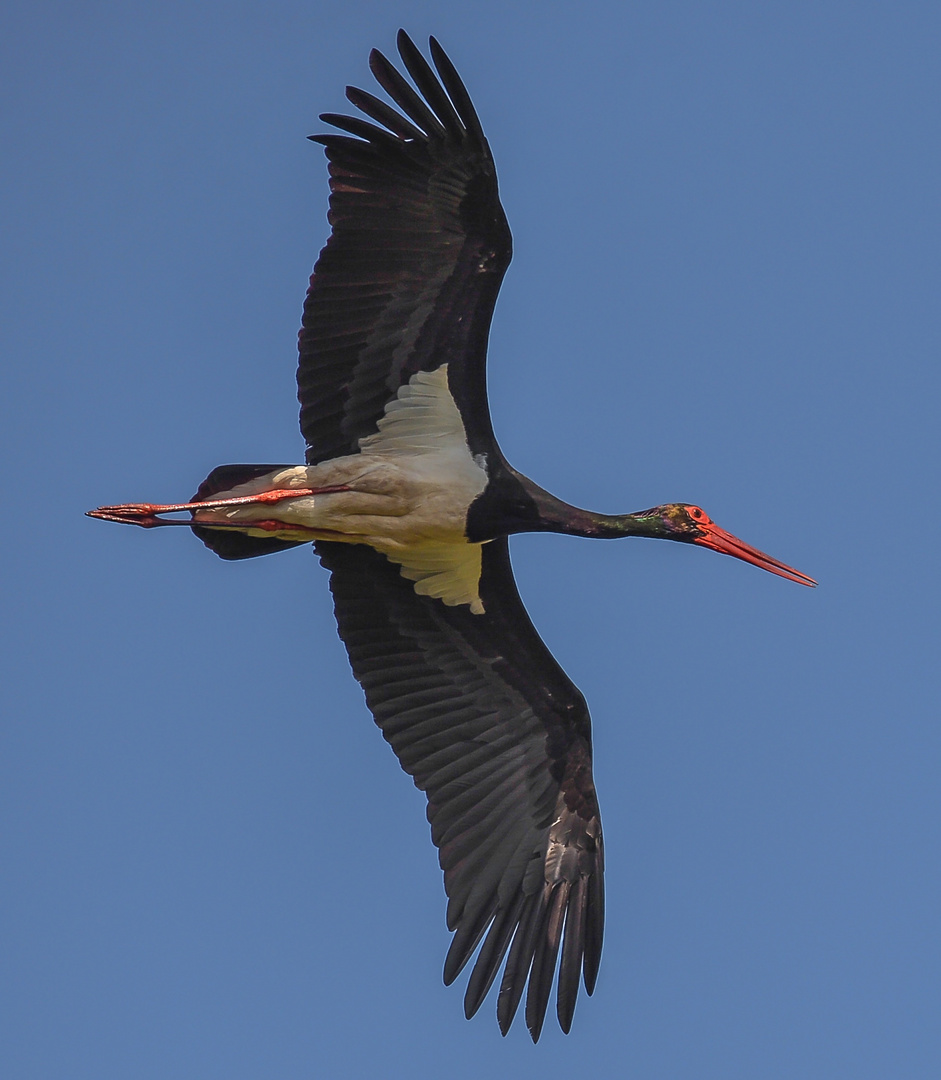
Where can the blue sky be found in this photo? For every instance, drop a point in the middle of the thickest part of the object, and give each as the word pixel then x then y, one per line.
pixel 725 291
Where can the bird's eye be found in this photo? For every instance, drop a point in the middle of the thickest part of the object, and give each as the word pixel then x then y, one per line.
pixel 699 515
pixel 695 512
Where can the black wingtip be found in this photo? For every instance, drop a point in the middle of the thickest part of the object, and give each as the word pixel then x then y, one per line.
pixel 403 94
pixel 457 91
pixel 491 955
pixel 519 961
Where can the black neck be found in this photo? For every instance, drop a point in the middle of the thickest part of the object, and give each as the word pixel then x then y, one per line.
pixel 512 503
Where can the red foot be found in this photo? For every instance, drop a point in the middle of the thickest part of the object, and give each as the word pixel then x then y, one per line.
pixel 143 514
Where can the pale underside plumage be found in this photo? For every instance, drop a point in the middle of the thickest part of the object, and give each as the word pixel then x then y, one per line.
pixel 411 485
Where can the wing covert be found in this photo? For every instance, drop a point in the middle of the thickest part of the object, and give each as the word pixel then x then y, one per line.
pixel 492 730
pixel 410 274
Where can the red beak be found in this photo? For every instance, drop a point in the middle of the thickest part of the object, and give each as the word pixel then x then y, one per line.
pixel 724 542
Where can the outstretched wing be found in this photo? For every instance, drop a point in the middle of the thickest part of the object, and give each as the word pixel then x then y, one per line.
pixel 492 730
pixel 410 275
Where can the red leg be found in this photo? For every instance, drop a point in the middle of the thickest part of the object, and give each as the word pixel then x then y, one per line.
pixel 146 514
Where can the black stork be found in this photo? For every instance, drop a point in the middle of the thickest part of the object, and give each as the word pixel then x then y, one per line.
pixel 409 501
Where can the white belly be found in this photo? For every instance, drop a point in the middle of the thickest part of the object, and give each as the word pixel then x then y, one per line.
pixel 410 487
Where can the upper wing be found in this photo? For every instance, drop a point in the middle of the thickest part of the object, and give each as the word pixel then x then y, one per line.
pixel 410 275
pixel 492 730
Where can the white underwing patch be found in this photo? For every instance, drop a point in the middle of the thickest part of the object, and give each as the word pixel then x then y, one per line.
pixel 450 572
pixel 422 418
pixel 423 422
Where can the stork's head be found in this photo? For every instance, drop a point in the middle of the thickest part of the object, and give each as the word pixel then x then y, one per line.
pixel 692 525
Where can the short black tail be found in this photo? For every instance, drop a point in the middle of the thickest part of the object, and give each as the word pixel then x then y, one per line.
pixel 229 543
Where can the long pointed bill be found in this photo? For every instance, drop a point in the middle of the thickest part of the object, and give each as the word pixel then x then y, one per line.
pixel 724 542
pixel 147 514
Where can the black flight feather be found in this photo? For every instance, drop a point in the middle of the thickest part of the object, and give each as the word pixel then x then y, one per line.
pixel 497 746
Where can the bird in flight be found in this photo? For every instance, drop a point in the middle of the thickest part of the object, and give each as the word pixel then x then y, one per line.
pixel 409 503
